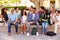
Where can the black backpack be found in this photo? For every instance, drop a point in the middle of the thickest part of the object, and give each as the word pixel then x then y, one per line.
pixel 50 33
pixel 34 30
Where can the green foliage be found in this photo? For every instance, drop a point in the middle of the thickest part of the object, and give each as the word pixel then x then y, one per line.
pixel 7 1
pixel 15 1
pixel 20 7
pixel 1 2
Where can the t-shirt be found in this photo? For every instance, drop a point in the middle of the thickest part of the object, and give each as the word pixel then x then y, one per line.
pixel 44 17
pixel 5 17
pixel 52 15
pixel 18 14
pixel 24 19
pixel 12 17
pixel 58 18
pixel 33 16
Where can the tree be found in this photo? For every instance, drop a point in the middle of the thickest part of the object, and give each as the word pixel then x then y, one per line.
pixel 1 2
pixel 15 1
pixel 6 2
pixel 37 3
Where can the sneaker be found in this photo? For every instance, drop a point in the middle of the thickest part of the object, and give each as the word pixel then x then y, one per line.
pixel 27 34
pixel 24 32
pixel 21 32
pixel 37 33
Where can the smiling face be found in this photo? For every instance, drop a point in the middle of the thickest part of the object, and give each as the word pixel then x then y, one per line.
pixel 5 10
pixel 34 10
pixel 17 9
pixel 57 13
pixel 12 11
pixel 52 9
pixel 30 8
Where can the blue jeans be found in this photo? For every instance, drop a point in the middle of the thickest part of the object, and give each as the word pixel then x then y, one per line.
pixel 9 27
pixel 44 26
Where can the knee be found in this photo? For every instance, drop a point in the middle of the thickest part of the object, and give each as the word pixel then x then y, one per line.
pixel 9 24
pixel 16 24
pixel 37 23
pixel 56 24
pixel 27 24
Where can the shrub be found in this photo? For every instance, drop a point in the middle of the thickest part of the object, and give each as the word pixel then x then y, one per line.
pixel 20 7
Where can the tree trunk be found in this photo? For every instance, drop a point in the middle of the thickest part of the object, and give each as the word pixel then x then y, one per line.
pixel 36 3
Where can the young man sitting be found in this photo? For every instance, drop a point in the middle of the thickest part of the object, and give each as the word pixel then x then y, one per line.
pixel 33 19
pixel 12 21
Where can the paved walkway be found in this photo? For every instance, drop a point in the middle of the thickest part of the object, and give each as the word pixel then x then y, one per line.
pixel 4 36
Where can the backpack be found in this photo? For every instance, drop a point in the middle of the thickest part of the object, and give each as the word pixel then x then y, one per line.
pixel 34 30
pixel 50 33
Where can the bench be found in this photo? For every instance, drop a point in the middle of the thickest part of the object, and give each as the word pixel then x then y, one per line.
pixel 4 28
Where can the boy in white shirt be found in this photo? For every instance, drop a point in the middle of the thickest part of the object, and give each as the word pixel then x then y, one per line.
pixel 57 22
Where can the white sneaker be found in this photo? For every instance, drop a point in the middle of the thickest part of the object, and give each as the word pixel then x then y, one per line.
pixel 27 34
pixel 37 33
pixel 21 32
pixel 24 32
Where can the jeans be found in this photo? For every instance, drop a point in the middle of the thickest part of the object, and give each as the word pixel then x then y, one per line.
pixel 28 24
pixel 44 26
pixel 9 27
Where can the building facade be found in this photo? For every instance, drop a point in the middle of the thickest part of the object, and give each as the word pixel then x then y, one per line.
pixel 49 3
pixel 45 3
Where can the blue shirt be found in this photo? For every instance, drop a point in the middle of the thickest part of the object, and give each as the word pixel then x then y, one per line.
pixel 18 14
pixel 12 17
pixel 30 17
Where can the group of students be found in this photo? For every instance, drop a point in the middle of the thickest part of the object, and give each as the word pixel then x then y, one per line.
pixel 29 16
